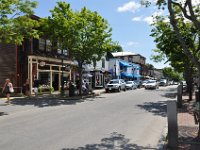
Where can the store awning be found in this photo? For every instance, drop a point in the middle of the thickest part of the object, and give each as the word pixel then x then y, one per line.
pixel 124 64
pixel 127 75
pixel 137 75
pixel 136 66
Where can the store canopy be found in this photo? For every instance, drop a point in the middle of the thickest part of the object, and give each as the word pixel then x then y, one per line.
pixel 124 64
pixel 137 75
pixel 127 75
pixel 136 66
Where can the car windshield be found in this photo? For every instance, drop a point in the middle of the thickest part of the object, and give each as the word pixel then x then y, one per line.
pixel 129 82
pixel 151 81
pixel 113 82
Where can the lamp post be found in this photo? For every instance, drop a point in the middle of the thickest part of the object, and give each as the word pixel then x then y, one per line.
pixel 62 74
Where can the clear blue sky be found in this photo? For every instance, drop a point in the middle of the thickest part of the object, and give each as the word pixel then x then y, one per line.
pixel 129 20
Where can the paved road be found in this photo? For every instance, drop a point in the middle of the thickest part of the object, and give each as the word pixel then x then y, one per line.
pixel 128 120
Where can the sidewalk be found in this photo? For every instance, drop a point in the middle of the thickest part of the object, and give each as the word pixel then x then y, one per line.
pixel 17 103
pixel 188 130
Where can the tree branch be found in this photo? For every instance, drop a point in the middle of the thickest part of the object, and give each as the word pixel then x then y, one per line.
pixel 183 9
pixel 193 16
pixel 180 38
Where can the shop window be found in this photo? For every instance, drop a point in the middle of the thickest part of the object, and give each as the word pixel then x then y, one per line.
pixel 44 78
pixel 55 67
pixel 98 80
pixel 130 59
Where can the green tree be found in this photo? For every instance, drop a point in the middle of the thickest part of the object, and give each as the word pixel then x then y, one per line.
pixel 184 15
pixel 85 34
pixel 171 74
pixel 15 21
pixel 169 46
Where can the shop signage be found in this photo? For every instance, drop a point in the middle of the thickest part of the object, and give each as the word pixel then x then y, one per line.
pixel 42 64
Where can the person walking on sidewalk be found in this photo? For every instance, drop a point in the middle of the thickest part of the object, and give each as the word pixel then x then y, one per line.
pixel 36 86
pixel 7 89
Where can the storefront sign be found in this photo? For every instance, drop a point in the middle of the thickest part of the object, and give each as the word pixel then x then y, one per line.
pixel 42 63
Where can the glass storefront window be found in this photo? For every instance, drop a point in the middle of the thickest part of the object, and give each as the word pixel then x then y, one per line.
pixel 98 80
pixel 55 67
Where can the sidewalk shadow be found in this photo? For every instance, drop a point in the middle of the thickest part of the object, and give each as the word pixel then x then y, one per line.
pixel 46 102
pixel 170 95
pixel 157 108
pixel 116 141
pixel 3 113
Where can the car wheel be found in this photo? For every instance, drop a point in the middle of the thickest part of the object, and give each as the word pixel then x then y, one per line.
pixel 124 89
pixel 119 89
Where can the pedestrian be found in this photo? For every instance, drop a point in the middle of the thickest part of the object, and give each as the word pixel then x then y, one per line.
pixel 35 86
pixel 8 89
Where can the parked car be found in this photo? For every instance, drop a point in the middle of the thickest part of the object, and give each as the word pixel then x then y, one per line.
pixel 163 82
pixel 170 82
pixel 115 85
pixel 138 83
pixel 144 82
pixel 131 85
pixel 151 84
pixel 184 85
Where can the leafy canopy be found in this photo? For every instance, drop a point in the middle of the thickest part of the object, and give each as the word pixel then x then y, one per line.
pixel 15 21
pixel 85 34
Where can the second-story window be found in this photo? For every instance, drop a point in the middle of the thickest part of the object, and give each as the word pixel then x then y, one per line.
pixel 41 44
pixel 130 59
pixel 48 45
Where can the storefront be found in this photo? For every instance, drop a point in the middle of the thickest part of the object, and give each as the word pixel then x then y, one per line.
pixel 48 71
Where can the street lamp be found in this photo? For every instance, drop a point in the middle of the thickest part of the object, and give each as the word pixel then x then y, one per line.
pixel 62 74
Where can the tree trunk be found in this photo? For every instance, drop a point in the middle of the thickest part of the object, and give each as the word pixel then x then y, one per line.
pixel 189 80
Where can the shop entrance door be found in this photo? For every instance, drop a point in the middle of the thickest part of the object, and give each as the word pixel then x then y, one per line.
pixel 55 81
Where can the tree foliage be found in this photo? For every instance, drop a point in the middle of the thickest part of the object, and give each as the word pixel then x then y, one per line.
pixel 85 34
pixel 15 21
pixel 171 74
pixel 184 28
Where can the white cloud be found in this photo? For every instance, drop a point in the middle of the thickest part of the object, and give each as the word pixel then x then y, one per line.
pixel 137 19
pixel 130 6
pixel 131 43
pixel 148 19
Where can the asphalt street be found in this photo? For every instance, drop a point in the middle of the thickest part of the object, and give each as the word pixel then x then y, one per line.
pixel 134 119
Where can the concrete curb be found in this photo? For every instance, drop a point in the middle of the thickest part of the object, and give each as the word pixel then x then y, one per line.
pixel 162 145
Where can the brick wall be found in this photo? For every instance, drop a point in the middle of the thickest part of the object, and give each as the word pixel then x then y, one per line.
pixel 7 63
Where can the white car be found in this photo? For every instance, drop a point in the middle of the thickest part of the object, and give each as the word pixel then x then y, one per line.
pixel 131 85
pixel 144 83
pixel 115 85
pixel 151 84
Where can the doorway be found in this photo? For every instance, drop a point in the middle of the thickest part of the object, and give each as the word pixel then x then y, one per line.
pixel 55 82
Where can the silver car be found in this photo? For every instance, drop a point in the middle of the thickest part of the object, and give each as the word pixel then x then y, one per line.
pixel 151 84
pixel 116 85
pixel 131 85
